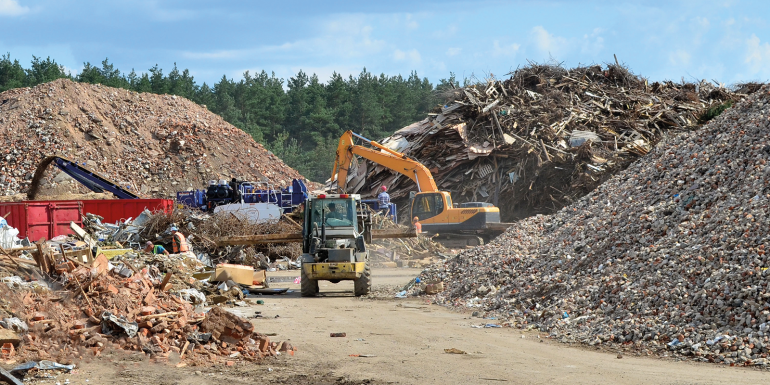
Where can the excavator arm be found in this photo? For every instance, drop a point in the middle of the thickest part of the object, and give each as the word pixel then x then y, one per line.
pixel 386 157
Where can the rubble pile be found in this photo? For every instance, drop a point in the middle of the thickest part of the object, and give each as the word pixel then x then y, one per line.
pixel 667 257
pixel 100 310
pixel 156 144
pixel 543 138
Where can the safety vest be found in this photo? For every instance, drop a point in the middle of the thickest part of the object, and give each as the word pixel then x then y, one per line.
pixel 179 243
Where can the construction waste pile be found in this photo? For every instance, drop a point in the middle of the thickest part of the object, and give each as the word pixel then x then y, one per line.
pixel 667 257
pixel 417 252
pixel 203 229
pixel 153 144
pixel 543 138
pixel 79 296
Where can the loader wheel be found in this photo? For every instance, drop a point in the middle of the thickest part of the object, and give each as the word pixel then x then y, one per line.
pixel 363 285
pixel 308 287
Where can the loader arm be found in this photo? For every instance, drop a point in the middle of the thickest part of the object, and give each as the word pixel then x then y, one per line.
pixel 393 160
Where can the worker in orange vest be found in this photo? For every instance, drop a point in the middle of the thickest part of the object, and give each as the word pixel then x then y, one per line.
pixel 417 225
pixel 179 242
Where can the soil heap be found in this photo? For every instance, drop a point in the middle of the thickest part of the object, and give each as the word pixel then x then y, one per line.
pixel 156 144
pixel 669 255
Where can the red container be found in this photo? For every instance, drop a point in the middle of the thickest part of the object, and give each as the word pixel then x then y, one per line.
pixel 113 210
pixel 42 219
pixel 48 219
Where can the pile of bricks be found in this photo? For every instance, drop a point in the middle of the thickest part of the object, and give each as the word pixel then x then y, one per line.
pixel 156 144
pixel 100 310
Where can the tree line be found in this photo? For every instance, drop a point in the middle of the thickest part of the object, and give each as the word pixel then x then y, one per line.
pixel 299 119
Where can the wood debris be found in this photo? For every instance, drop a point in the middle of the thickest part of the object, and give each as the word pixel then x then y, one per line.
pixel 542 138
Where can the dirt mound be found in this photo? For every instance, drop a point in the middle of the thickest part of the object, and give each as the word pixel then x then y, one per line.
pixel 543 138
pixel 155 144
pixel 667 256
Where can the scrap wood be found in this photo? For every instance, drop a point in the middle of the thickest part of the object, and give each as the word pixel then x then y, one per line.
pixel 2 250
pixel 531 124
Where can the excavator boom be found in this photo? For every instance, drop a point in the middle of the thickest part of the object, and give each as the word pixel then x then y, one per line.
pixel 386 157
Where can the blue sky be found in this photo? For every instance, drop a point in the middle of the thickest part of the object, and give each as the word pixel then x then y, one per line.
pixel 726 40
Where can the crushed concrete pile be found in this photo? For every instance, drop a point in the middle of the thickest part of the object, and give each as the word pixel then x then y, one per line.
pixel 667 257
pixel 543 138
pixel 156 144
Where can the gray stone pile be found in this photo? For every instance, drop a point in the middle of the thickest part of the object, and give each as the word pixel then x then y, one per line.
pixel 667 257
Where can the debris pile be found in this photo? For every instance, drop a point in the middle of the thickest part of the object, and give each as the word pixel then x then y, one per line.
pixel 101 309
pixel 543 138
pixel 667 257
pixel 402 252
pixel 70 305
pixel 201 229
pixel 156 144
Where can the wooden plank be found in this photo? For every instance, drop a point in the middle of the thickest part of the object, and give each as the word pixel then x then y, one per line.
pixel 393 233
pixel 259 239
pixel 262 239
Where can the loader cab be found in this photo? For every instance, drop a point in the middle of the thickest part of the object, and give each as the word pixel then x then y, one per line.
pixel 334 213
pixel 429 205
pixel 331 216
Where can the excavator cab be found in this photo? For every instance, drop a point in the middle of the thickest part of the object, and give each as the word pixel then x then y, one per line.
pixel 429 205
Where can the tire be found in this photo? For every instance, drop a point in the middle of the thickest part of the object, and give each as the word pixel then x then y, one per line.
pixel 308 287
pixel 363 285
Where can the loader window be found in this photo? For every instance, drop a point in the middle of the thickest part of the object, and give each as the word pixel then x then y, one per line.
pixel 337 212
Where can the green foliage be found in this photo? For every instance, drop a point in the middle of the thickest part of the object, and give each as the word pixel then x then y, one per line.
pixel 299 119
pixel 715 111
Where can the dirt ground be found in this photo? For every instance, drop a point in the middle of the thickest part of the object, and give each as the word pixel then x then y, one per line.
pixel 406 339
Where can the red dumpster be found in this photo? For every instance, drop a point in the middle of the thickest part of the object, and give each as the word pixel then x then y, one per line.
pixel 42 219
pixel 113 210
pixel 48 219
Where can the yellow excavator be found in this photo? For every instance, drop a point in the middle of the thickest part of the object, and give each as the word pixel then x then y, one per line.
pixel 466 224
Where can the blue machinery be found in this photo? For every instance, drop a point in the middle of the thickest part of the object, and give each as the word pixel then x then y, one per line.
pixel 247 192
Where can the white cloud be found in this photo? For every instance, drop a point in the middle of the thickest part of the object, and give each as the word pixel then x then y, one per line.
pixel 344 37
pixel 757 55
pixel 450 31
pixel 411 23
pixel 547 42
pixel 593 43
pixel 453 51
pixel 505 50
pixel 679 57
pixel 12 8
pixel 412 56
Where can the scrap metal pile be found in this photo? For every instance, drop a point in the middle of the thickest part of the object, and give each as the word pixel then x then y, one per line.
pixel 667 257
pixel 543 138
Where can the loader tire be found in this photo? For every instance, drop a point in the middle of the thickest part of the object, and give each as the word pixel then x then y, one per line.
pixel 363 285
pixel 308 287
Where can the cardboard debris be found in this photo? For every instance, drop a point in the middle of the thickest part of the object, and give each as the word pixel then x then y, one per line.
pixel 240 274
